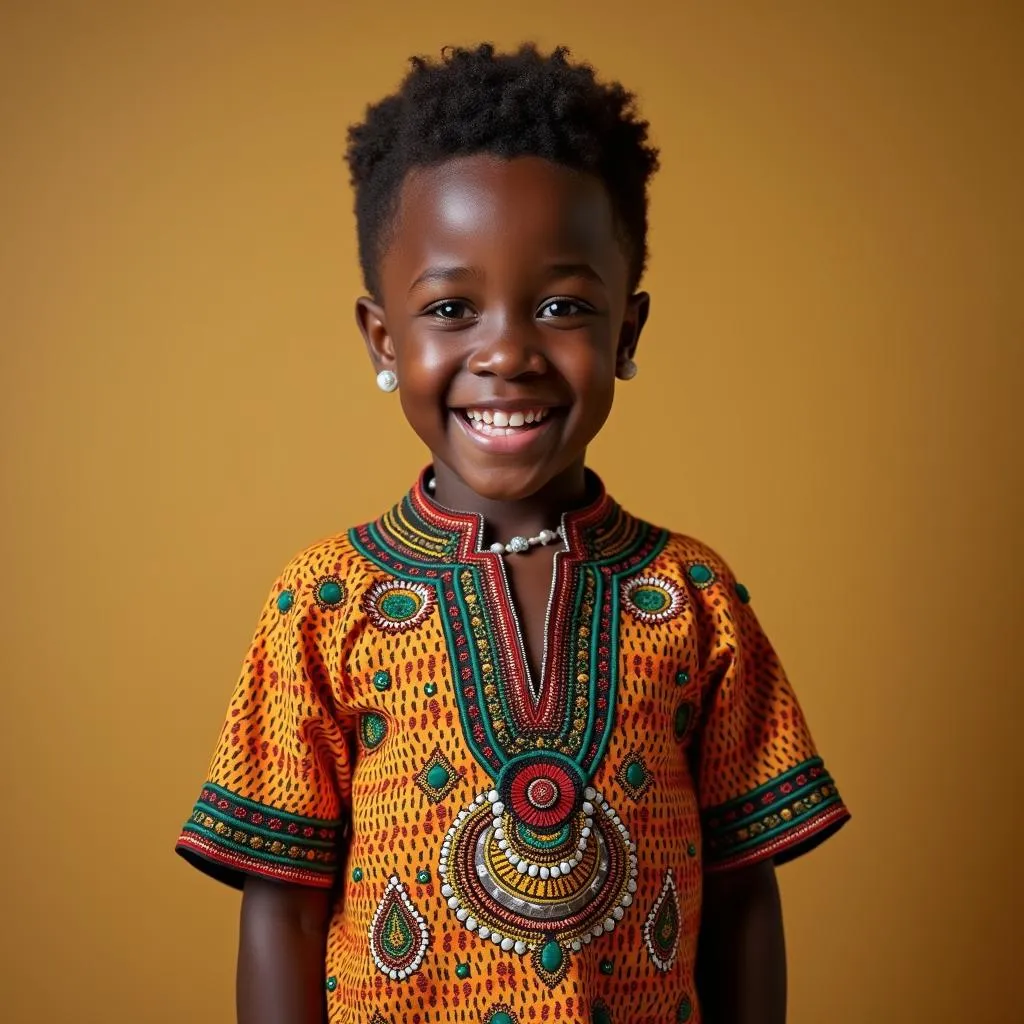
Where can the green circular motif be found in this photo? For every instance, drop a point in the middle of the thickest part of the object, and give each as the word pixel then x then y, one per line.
pixel 437 777
pixel 742 593
pixel 372 729
pixel 285 600
pixel 501 1017
pixel 551 956
pixel 462 971
pixel 399 607
pixel 683 715
pixel 329 592
pixel 685 1010
pixel 423 877
pixel 700 574
pixel 430 689
pixel 607 966
pixel 651 599
pixel 357 874
pixel 682 678
pixel 692 850
pixel 635 774
pixel 600 1014
pixel 332 983
pixel 382 680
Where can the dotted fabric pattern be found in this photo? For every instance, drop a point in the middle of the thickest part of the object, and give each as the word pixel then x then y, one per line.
pixel 343 762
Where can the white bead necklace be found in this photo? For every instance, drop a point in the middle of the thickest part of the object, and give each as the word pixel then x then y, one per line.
pixel 517 545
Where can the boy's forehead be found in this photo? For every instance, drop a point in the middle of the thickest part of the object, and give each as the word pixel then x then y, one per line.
pixel 487 209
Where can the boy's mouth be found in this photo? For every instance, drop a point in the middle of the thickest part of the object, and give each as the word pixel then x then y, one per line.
pixel 503 422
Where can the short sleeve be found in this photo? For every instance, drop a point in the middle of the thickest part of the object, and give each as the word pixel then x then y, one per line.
pixel 763 789
pixel 279 782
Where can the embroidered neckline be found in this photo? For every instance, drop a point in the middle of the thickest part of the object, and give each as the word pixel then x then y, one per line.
pixel 426 533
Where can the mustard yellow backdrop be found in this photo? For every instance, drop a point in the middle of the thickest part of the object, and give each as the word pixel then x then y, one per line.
pixel 829 393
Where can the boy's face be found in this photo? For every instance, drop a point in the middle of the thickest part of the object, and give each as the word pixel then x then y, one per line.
pixel 505 300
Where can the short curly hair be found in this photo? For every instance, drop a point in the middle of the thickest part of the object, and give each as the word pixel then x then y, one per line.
pixel 512 104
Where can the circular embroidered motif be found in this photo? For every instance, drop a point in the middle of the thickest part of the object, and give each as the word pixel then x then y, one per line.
pixel 501 1014
pixel 540 864
pixel 742 593
pixel 285 600
pixel 701 576
pixel 653 599
pixel 394 605
pixel 329 592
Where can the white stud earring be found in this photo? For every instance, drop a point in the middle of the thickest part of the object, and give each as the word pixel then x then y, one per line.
pixel 387 381
pixel 627 370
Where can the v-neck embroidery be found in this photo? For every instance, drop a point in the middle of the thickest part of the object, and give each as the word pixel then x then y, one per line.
pixel 504 712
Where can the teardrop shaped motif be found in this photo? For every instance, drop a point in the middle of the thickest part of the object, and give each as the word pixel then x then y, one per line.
pixel 399 935
pixel 662 927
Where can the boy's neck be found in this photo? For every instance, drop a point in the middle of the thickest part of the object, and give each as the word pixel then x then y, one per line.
pixel 524 517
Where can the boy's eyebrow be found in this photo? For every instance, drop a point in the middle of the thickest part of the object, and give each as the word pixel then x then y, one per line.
pixel 445 274
pixel 575 270
pixel 458 273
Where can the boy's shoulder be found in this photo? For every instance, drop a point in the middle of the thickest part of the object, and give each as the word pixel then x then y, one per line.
pixel 691 556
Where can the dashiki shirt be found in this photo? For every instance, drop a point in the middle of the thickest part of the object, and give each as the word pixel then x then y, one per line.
pixel 504 849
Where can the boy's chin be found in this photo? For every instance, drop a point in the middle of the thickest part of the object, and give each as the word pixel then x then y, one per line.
pixel 506 483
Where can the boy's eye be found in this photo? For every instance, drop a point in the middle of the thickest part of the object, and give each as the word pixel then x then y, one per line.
pixel 558 308
pixel 450 310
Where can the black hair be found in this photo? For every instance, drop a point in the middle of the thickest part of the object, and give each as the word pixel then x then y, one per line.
pixel 513 104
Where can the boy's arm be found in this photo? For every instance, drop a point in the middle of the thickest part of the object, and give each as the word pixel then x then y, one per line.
pixel 741 953
pixel 281 953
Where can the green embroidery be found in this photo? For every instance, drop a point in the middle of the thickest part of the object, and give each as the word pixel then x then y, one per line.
pixel 742 593
pixel 430 689
pixel 372 729
pixel 330 592
pixel 285 600
pixel 551 956
pixel 700 575
pixel 684 714
pixel 462 971
pixel 382 680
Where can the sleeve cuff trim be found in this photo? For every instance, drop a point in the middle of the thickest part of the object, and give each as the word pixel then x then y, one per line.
pixel 789 845
pixel 773 815
pixel 208 856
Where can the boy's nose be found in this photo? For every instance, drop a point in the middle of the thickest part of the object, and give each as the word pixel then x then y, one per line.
pixel 508 354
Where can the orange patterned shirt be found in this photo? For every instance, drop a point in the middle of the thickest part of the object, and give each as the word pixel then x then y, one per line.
pixel 500 848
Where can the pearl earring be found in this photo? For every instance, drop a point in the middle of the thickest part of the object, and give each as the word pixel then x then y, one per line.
pixel 627 370
pixel 387 381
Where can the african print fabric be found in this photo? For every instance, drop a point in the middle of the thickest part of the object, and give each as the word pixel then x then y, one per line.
pixel 498 843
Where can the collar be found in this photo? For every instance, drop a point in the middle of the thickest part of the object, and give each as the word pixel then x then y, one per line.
pixel 419 530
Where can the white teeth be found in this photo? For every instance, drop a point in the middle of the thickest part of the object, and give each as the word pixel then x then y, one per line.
pixel 489 421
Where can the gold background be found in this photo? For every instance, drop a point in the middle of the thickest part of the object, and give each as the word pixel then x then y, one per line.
pixel 829 393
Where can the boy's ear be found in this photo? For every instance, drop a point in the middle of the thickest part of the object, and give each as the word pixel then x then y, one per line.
pixel 638 308
pixel 370 318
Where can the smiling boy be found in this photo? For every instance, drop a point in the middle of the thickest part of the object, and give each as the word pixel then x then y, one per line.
pixel 508 753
